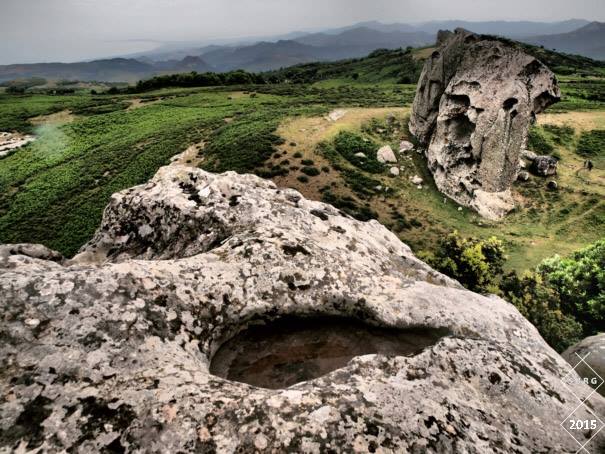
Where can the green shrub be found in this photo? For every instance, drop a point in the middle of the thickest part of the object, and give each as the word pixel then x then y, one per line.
pixel 536 141
pixel 348 145
pixel 298 154
pixel 359 183
pixel 541 305
pixel 348 205
pixel 310 171
pixel 579 281
pixel 303 179
pixel 474 263
pixel 307 162
pixel 592 143
pixel 560 135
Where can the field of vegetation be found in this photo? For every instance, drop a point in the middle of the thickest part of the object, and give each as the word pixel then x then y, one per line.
pixel 278 125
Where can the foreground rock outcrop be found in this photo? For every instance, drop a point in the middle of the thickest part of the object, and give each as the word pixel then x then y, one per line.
pixel 110 351
pixel 588 358
pixel 475 101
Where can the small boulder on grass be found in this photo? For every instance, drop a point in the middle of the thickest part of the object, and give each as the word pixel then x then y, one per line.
pixel 405 146
pixel 544 166
pixel 386 154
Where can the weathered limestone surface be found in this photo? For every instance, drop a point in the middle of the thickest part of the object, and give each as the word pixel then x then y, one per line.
pixel 476 99
pixel 110 351
pixel 588 357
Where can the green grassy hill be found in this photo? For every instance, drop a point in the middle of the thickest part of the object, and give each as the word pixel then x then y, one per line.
pixel 53 191
pixel 405 66
pixel 381 66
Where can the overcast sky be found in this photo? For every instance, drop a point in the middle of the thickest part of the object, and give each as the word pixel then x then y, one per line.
pixel 71 30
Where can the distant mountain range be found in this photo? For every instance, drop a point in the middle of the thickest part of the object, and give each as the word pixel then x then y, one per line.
pixel 588 41
pixel 573 36
pixel 109 70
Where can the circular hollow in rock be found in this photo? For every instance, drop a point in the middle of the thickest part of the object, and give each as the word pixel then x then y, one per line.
pixel 291 350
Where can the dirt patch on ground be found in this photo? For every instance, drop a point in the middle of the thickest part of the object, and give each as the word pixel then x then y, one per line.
pixel 191 157
pixel 137 103
pixel 580 121
pixel 58 118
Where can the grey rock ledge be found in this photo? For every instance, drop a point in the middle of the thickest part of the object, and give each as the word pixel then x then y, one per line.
pixel 118 355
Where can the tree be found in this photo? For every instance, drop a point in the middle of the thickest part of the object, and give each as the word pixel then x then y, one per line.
pixel 15 90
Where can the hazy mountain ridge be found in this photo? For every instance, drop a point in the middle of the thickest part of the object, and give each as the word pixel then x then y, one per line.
pixel 588 40
pixel 572 36
pixel 107 70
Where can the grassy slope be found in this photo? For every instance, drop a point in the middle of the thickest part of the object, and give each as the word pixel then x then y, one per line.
pixel 54 190
pixel 380 67
pixel 545 223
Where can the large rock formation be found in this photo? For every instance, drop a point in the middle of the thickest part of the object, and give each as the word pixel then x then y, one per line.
pixel 476 99
pixel 111 351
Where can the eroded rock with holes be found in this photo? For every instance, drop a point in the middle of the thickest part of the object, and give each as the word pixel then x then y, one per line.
pixel 475 101
pixel 112 351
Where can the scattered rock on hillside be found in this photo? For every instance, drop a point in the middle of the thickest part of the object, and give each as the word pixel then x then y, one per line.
pixel 416 179
pixel 336 115
pixel 544 166
pixel 361 155
pixel 11 141
pixel 36 251
pixel 476 99
pixel 552 185
pixel 588 359
pixel 386 154
pixel 528 155
pixel 394 171
pixel 523 176
pixel 405 146
pixel 111 352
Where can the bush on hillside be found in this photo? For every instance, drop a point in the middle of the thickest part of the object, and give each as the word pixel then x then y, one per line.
pixel 541 305
pixel 579 280
pixel 592 143
pixel 349 145
pixel 564 298
pixel 475 263
pixel 537 141
pixel 310 171
pixel 194 79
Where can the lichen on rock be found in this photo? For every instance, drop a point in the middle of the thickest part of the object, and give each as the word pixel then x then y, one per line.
pixel 476 98
pixel 118 357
